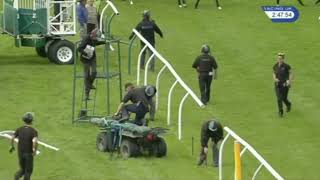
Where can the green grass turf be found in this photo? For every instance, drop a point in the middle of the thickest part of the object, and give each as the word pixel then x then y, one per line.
pixel 245 43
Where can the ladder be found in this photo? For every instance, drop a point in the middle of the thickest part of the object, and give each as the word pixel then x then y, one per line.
pixel 86 109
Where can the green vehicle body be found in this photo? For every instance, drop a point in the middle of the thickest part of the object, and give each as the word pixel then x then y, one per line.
pixel 129 139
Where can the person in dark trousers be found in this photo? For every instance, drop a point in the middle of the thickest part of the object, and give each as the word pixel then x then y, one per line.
pixel 88 58
pixel 210 130
pixel 142 103
pixel 92 16
pixel 300 2
pixel 207 67
pixel 182 3
pixel 217 3
pixel 82 14
pixel 282 77
pixel 147 27
pixel 27 147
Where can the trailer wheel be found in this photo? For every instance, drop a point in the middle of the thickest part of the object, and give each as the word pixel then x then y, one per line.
pixel 102 142
pixel 160 148
pixel 41 51
pixel 129 148
pixel 61 52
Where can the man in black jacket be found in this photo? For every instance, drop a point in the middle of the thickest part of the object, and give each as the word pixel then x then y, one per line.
pixel 206 66
pixel 147 27
pixel 142 103
pixel 27 147
pixel 210 130
pixel 87 50
pixel 282 76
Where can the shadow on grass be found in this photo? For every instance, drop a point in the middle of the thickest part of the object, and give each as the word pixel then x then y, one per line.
pixel 23 60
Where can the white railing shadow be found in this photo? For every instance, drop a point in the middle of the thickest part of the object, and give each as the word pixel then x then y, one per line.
pixel 247 147
pixel 166 65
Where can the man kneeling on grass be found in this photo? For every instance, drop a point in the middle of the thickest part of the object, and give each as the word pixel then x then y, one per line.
pixel 210 129
pixel 142 103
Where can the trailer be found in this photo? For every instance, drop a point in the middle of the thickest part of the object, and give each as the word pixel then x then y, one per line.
pixel 43 25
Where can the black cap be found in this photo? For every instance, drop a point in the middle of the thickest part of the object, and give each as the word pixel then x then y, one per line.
pixel 146 14
pixel 212 126
pixel 150 91
pixel 205 49
pixel 28 117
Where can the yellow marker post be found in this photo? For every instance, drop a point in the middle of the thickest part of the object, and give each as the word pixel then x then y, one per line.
pixel 237 161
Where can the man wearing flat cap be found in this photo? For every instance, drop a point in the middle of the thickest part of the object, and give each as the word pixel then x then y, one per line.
pixel 213 130
pixel 27 146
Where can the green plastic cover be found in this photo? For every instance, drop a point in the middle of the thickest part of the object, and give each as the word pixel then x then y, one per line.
pixel 10 21
pixel 30 24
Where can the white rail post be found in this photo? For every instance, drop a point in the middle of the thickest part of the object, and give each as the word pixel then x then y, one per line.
pixel 158 86
pixel 138 63
pixel 115 10
pixel 174 73
pixel 256 172
pixel 146 69
pixel 243 151
pixel 169 102
pixel 221 154
pixel 180 115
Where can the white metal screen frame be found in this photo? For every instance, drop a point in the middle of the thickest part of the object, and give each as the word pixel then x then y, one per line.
pixel 166 65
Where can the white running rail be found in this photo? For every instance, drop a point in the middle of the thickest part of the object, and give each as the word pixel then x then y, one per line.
pixel 247 147
pixel 166 65
pixel 114 9
pixel 8 135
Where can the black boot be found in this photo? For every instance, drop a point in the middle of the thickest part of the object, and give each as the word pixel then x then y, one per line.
pixel 280 114
pixel 289 107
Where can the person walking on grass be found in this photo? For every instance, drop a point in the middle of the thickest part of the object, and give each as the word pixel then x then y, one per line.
pixel 206 67
pixel 217 4
pixel 147 27
pixel 282 76
pixel 27 147
pixel 213 130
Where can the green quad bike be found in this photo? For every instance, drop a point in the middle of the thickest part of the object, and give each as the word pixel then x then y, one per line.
pixel 129 139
